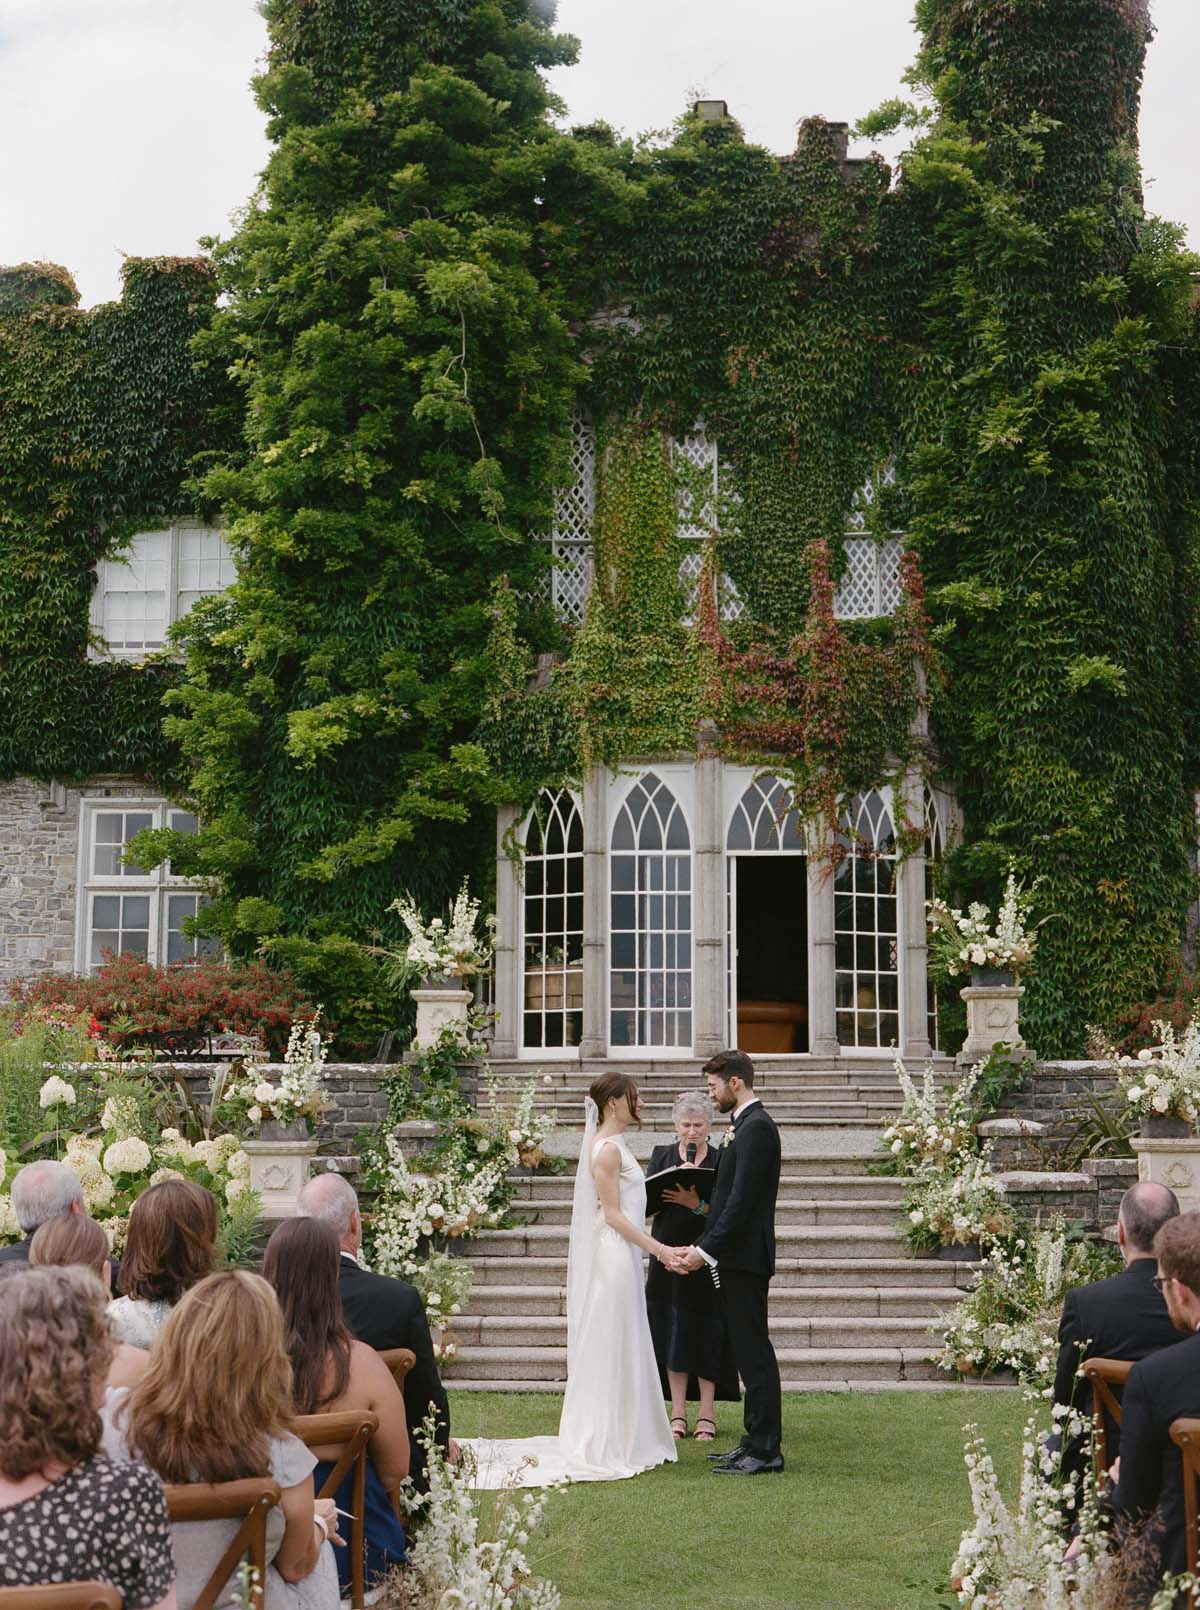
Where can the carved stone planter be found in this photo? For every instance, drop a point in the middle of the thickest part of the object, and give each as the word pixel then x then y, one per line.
pixel 439 1009
pixel 1174 1162
pixel 993 1018
pixel 279 1171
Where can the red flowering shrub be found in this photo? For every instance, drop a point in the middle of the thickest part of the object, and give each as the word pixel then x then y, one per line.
pixel 1175 1003
pixel 176 1008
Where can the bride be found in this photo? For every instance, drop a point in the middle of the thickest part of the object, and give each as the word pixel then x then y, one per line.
pixel 614 1422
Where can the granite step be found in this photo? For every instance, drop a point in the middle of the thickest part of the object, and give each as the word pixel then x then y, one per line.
pixel 864 1212
pixel 549 1188
pixel 787 1331
pixel 543 1269
pixel 850 1240
pixel 861 1302
pixel 846 1364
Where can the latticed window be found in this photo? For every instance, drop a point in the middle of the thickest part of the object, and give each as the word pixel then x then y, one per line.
pixel 697 463
pixel 935 851
pixel 553 922
pixel 131 909
pixel 650 984
pixel 156 581
pixel 571 539
pixel 765 819
pixel 866 949
pixel 870 584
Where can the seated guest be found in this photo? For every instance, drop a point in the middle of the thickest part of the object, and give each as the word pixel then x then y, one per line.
pixel 215 1405
pixel 170 1245
pixel 331 1373
pixel 1122 1317
pixel 74 1239
pixel 686 1319
pixel 384 1313
pixel 66 1513
pixel 41 1191
pixel 1161 1388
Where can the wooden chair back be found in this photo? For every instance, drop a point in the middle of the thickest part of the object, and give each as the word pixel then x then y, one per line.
pixel 399 1360
pixel 250 1500
pixel 1185 1434
pixel 345 1438
pixel 62 1596
pixel 1104 1374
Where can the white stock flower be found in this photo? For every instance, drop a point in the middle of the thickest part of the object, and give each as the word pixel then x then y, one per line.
pixel 56 1092
pixel 128 1156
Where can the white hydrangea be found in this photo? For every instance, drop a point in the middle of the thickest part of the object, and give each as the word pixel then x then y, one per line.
pixel 56 1092
pixel 235 1187
pixel 98 1190
pixel 128 1156
pixel 161 1174
pixel 238 1165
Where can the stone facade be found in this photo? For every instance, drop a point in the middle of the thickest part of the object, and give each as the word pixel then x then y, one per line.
pixel 39 869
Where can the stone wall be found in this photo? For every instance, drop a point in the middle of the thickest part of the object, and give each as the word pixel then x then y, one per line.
pixel 1054 1095
pixel 355 1088
pixel 39 868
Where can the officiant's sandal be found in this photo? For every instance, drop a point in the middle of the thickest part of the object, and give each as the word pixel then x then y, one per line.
pixel 705 1435
pixel 677 1421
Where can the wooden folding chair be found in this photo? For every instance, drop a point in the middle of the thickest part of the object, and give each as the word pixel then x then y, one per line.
pixel 1103 1374
pixel 399 1360
pixel 344 1439
pixel 251 1499
pixel 62 1596
pixel 1185 1434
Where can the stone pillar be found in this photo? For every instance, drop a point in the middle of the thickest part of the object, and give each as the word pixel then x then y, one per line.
pixel 506 1042
pixel 594 1039
pixel 822 1023
pixel 279 1171
pixel 913 935
pixel 710 1031
pixel 993 1018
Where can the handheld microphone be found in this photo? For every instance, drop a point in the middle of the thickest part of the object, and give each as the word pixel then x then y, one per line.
pixel 691 1151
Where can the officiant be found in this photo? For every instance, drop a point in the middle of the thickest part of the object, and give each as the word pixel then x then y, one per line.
pixel 687 1322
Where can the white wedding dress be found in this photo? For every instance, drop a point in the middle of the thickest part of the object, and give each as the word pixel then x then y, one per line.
pixel 614 1423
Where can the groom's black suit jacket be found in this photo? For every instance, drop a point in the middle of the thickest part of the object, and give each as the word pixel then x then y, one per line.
pixel 741 1221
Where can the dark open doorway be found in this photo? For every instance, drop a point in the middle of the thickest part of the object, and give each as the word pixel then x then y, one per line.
pixel 771 966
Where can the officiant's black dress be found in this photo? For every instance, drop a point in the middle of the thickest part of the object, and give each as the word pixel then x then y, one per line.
pixel 687 1322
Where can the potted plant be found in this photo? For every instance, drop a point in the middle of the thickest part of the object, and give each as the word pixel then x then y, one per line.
pixel 285 1113
pixel 1161 1085
pixel 953 1214
pixel 439 956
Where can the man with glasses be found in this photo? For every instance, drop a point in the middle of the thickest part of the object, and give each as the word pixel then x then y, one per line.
pixel 1122 1317
pixel 1161 1389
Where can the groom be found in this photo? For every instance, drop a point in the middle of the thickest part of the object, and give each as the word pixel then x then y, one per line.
pixel 739 1245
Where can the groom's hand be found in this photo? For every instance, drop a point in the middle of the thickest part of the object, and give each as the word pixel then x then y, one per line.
pixel 690 1260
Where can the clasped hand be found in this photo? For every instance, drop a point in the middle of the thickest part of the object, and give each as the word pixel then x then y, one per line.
pixel 680 1260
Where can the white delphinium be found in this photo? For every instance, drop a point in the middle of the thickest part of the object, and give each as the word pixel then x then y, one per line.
pixel 441 949
pixel 56 1092
pixel 921 1133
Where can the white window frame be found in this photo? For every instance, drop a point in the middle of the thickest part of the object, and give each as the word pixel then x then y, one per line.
pixel 738 784
pixel 158 885
pixel 887 794
pixel 550 1052
pixel 108 570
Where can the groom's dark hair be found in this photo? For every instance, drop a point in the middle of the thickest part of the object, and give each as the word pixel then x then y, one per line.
pixel 729 1065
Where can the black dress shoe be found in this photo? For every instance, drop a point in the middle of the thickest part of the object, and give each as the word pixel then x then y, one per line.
pixel 730 1453
pixel 748 1464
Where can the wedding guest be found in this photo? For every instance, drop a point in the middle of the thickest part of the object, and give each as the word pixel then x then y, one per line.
pixel 215 1404
pixel 41 1191
pixel 687 1324
pixel 66 1513
pixel 1162 1387
pixel 170 1245
pixel 384 1313
pixel 1122 1317
pixel 331 1373
pixel 73 1239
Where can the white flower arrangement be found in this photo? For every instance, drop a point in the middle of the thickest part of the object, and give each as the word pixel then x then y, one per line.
pixel 468 1555
pixel 298 1097
pixel 958 1207
pixel 921 1134
pixel 56 1092
pixel 960 940
pixel 441 949
pixel 128 1156
pixel 1163 1082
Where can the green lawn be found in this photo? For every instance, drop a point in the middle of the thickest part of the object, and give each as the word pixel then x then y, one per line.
pixel 866 1517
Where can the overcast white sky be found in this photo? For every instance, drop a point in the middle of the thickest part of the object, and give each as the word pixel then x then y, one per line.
pixel 128 126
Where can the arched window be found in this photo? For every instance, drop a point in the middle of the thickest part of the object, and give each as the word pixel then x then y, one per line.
pixel 650 998
pixel 935 850
pixel 866 951
pixel 553 949
pixel 765 819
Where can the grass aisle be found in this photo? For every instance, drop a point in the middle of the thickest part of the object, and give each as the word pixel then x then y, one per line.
pixel 866 1517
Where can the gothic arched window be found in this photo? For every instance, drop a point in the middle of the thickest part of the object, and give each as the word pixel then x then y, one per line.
pixel 866 949
pixel 650 998
pixel 553 928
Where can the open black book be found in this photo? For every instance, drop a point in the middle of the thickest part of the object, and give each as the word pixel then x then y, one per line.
pixel 701 1179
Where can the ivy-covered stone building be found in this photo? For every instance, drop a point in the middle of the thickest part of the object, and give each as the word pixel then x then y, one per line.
pixel 704 550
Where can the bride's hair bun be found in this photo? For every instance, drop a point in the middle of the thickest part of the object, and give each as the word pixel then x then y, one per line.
pixel 611 1087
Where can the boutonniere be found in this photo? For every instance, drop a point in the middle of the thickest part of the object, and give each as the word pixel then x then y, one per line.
pixel 727 1138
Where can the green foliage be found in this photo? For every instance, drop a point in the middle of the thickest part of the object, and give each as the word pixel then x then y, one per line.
pixel 103 413
pixel 397 315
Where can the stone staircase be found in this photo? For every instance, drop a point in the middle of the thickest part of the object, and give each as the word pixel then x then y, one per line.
pixel 851 1310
